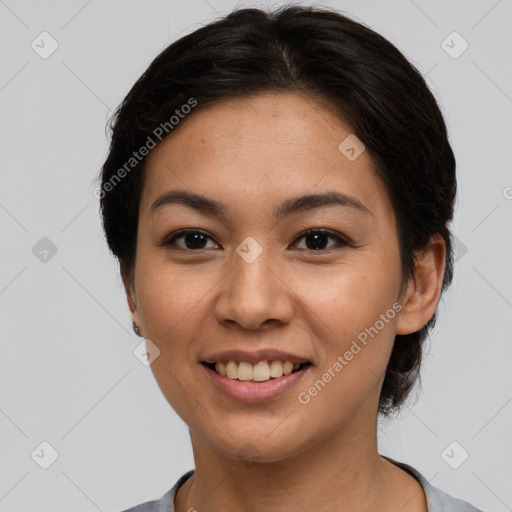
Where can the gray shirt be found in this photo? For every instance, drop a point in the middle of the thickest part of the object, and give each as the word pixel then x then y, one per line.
pixel 437 500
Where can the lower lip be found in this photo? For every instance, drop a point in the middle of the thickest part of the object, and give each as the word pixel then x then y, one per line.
pixel 252 392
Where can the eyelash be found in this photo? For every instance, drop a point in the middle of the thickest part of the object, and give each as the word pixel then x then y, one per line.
pixel 342 242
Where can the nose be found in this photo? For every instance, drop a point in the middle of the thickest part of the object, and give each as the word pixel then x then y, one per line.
pixel 254 295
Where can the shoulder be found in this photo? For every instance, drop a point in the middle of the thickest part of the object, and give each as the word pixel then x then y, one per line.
pixel 166 502
pixel 437 500
pixel 440 501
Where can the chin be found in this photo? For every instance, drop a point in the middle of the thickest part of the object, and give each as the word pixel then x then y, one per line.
pixel 256 446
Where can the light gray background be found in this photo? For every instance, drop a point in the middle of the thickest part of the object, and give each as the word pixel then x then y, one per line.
pixel 68 375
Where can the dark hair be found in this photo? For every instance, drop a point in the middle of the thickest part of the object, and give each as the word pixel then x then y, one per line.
pixel 308 50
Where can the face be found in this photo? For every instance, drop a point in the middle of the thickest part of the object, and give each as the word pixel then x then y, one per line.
pixel 260 275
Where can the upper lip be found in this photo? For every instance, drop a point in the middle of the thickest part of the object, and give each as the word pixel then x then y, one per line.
pixel 254 356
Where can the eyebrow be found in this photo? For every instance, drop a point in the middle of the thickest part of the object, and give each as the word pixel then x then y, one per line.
pixel 290 207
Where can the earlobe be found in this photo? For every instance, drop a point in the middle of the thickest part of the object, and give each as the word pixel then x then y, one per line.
pixel 420 300
pixel 131 298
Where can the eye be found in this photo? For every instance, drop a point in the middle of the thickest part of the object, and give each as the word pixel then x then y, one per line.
pixel 318 238
pixel 194 239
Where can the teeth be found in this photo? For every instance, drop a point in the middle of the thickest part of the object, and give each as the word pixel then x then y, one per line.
pixel 287 367
pixel 232 370
pixel 260 372
pixel 220 367
pixel 276 369
pixel 244 371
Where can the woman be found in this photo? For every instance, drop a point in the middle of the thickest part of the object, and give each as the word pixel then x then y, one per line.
pixel 278 192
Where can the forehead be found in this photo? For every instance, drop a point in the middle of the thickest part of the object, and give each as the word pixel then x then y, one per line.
pixel 265 149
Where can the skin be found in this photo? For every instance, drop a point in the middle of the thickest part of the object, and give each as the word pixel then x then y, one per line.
pixel 253 154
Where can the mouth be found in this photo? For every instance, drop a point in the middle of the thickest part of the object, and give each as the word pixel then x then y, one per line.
pixel 262 371
pixel 257 375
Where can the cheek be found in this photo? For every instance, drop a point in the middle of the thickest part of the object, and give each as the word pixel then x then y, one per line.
pixel 172 298
pixel 348 298
pixel 357 329
pixel 172 309
pixel 355 312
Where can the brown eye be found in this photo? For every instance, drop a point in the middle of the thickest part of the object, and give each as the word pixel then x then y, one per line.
pixel 196 240
pixel 193 239
pixel 317 239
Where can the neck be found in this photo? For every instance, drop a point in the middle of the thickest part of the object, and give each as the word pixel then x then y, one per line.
pixel 343 469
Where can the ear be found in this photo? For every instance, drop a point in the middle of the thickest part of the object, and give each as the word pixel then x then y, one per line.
pixel 420 300
pixel 131 296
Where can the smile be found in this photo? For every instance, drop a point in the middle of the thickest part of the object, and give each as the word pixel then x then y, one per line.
pixel 260 372
pixel 259 382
